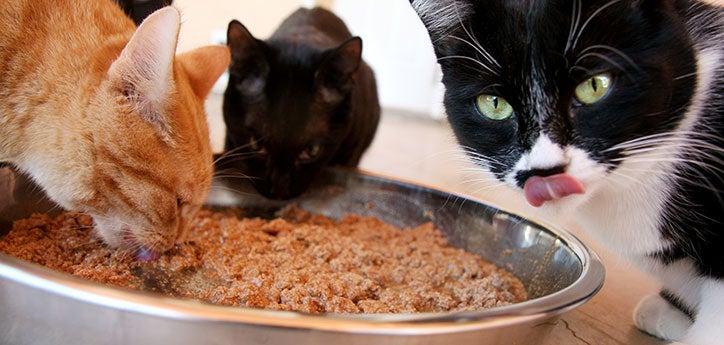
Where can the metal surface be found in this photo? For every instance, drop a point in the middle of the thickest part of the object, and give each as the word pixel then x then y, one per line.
pixel 39 306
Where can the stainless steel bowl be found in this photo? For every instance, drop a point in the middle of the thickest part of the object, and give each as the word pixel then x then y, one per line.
pixel 39 306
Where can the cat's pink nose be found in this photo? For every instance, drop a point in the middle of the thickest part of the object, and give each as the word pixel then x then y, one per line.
pixel 539 190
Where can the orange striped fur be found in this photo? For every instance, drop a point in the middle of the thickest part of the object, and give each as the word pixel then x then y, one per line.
pixel 105 117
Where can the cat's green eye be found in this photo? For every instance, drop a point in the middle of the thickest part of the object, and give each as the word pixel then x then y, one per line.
pixel 594 89
pixel 494 107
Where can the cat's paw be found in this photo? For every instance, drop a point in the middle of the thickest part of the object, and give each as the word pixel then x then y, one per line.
pixel 655 316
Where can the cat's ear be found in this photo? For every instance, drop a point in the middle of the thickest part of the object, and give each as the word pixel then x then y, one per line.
pixel 248 60
pixel 143 73
pixel 336 73
pixel 204 66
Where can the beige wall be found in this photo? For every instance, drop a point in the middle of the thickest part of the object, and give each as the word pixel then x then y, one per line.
pixel 202 18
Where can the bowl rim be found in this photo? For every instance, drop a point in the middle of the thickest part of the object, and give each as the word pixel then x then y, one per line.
pixel 587 285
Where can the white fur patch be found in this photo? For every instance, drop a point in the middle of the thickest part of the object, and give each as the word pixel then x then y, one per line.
pixel 544 154
pixel 440 16
pixel 709 326
pixel 656 316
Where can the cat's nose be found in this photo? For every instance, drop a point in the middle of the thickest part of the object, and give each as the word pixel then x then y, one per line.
pixel 522 176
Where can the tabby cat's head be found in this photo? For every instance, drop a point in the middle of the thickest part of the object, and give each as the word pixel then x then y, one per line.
pixel 144 162
pixel 553 97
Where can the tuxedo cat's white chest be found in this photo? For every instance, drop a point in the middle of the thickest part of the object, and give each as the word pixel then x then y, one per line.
pixel 628 219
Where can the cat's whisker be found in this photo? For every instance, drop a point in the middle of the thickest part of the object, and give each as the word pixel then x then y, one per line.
pixel 686 147
pixel 233 151
pixel 703 165
pixel 611 49
pixel 467 58
pixel 590 18
pixel 238 177
pixel 488 187
pixel 479 47
pixel 585 70
pixel 604 58
pixel 685 76
pixel 688 153
pixel 689 136
pixel 240 154
pixel 478 50
pixel 231 190
pixel 666 139
pixel 686 175
pixel 617 173
pixel 575 20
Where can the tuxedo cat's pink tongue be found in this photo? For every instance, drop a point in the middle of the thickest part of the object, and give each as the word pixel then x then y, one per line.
pixel 539 190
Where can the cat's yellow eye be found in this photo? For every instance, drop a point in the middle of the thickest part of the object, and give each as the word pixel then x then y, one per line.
pixel 494 107
pixel 594 89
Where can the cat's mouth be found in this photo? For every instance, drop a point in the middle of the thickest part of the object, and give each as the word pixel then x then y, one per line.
pixel 541 190
pixel 133 243
pixel 120 235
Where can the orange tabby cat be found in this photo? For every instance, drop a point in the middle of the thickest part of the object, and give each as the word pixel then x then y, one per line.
pixel 104 116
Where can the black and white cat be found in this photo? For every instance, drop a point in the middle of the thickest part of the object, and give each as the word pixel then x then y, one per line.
pixel 612 110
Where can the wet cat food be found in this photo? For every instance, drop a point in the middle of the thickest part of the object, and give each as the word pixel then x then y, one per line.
pixel 299 261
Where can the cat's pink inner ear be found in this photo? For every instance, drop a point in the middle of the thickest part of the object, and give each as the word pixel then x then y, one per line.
pixel 144 70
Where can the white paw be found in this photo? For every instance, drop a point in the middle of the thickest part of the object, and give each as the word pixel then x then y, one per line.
pixel 657 317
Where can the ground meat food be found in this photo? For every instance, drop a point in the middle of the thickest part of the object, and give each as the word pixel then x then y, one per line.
pixel 298 262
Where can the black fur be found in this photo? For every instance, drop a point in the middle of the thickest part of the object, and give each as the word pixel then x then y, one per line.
pixel 677 303
pixel 654 73
pixel 696 215
pixel 304 87
pixel 138 10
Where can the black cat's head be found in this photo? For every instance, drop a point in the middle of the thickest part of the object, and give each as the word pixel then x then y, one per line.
pixel 286 108
pixel 555 97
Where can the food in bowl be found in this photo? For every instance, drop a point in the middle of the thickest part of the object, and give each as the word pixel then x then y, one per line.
pixel 296 262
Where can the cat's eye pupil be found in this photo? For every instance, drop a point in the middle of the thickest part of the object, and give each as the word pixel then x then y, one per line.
pixel 593 89
pixel 495 102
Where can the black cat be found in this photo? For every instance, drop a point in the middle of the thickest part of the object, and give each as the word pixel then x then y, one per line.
pixel 296 103
pixel 609 110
